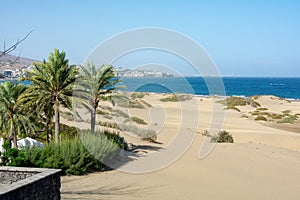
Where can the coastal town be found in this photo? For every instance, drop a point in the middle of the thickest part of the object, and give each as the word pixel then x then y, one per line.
pixel 14 68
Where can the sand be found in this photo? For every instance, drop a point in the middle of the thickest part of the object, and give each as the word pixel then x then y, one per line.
pixel 262 163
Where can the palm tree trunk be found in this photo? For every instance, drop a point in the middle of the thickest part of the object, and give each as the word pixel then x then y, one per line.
pixel 56 116
pixel 14 134
pixel 49 131
pixel 93 120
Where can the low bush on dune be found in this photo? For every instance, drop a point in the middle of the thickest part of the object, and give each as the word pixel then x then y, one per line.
pixel 120 113
pixel 176 98
pixel 108 124
pixel 76 156
pixel 262 109
pixel 276 116
pixel 129 103
pixel 260 118
pixel 146 103
pixel 289 119
pixel 232 102
pixel 223 137
pixel 67 115
pixel 286 112
pixel 139 95
pixel 232 108
pixel 144 134
pixel 138 120
pixel 102 112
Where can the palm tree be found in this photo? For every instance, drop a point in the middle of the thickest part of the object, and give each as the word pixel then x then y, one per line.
pixel 41 106
pixel 96 84
pixel 13 116
pixel 52 83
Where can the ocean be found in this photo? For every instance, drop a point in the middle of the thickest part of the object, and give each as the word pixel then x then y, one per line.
pixel 288 88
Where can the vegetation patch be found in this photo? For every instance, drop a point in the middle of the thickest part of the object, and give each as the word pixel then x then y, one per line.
pixel 108 124
pixel 76 156
pixel 261 109
pixel 232 108
pixel 223 137
pixel 138 95
pixel 145 134
pixel 289 119
pixel 120 113
pixel 138 120
pixel 102 112
pixel 68 132
pixel 232 102
pixel 286 112
pixel 255 113
pixel 129 103
pixel 176 98
pixel 146 103
pixel 260 118
pixel 67 115
pixel 275 116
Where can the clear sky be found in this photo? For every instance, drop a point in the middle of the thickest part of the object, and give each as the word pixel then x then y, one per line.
pixel 244 38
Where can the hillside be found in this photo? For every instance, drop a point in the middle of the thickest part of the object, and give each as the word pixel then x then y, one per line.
pixel 15 62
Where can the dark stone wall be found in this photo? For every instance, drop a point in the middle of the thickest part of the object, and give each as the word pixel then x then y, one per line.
pixel 8 177
pixel 41 185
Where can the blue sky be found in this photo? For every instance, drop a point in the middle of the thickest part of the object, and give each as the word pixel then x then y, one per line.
pixel 244 38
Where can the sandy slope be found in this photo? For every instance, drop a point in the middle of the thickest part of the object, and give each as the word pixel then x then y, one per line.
pixel 263 163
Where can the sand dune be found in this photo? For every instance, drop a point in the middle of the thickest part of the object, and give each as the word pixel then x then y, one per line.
pixel 262 163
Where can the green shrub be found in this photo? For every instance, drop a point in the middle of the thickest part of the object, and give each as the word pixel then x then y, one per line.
pixel 232 108
pixel 102 112
pixel 128 103
pixel 264 113
pixel 261 109
pixel 108 124
pixel 139 95
pixel 67 132
pixel 76 156
pixel 67 115
pixel 286 112
pixel 233 101
pixel 223 137
pixel 260 118
pixel 146 103
pixel 138 120
pixel 176 98
pixel 136 104
pixel 120 113
pixel 276 116
pixel 145 134
pixel 289 119
pixel 12 156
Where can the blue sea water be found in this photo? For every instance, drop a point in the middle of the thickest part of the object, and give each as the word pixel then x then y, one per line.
pixel 234 86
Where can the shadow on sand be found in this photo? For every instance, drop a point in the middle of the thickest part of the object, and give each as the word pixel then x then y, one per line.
pixel 106 192
pixel 120 157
